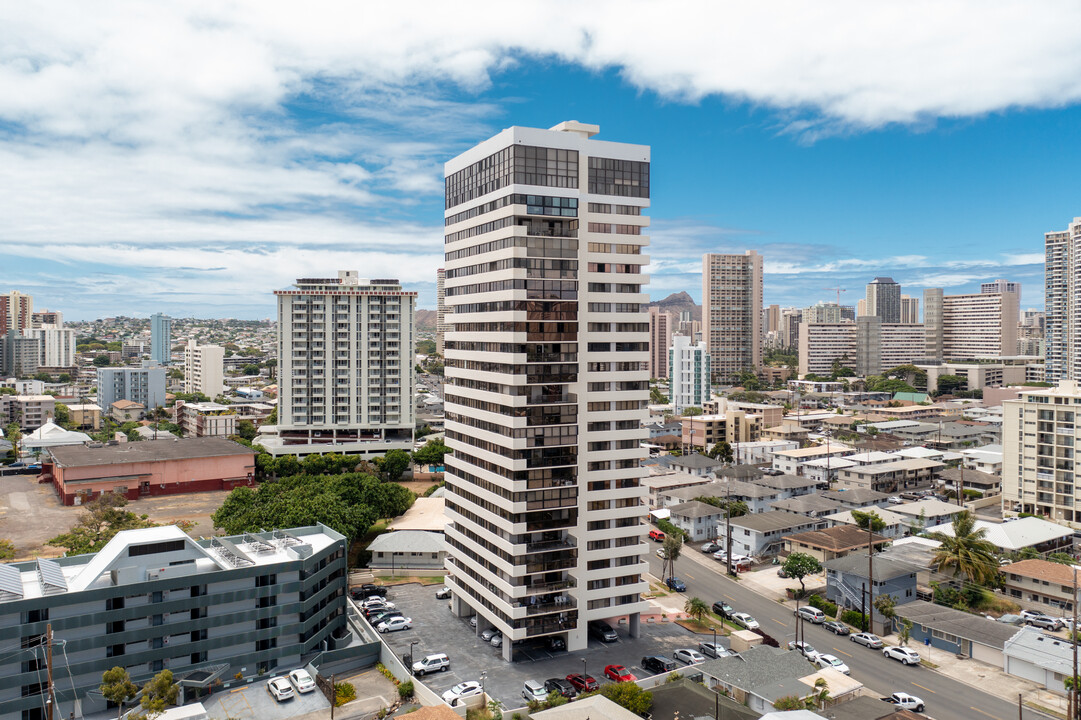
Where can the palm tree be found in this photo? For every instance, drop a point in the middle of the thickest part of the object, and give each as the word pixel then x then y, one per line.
pixel 966 552
pixel 696 608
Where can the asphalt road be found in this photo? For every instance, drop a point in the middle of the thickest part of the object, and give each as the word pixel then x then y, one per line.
pixel 946 699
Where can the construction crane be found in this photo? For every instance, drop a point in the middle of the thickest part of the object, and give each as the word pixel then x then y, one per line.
pixel 838 290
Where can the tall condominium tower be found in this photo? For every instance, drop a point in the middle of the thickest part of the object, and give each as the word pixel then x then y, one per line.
pixel 161 339
pixel 1062 303
pixel 934 338
pixel 732 312
pixel 441 310
pixel 823 312
pixel 884 299
pixel 546 385
pixel 689 373
pixel 974 325
pixel 345 354
pixel 204 369
pixel 660 340
pixel 910 310
pixel 16 311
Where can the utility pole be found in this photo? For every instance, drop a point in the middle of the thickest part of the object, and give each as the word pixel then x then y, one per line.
pixel 961 485
pixel 870 576
pixel 1073 637
pixel 863 603
pixel 728 527
pixel 50 701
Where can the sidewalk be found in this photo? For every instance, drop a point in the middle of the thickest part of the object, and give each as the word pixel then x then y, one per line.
pixel 987 678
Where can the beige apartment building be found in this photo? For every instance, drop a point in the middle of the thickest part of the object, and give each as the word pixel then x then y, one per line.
pixel 206 419
pixel 660 341
pixel 733 422
pixel 1039 437
pixel 204 369
pixel 732 312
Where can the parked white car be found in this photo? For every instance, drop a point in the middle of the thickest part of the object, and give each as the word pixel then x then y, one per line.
pixel 279 689
pixel 745 621
pixel 302 681
pixel 906 656
pixel 832 661
pixel 806 648
pixel 462 691
pixel 688 656
pixel 395 623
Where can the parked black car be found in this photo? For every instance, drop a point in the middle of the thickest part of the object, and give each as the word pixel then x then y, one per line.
pixel 674 583
pixel 723 609
pixel 367 590
pixel 561 686
pixel 658 664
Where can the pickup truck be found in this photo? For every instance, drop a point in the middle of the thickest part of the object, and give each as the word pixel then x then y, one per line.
pixel 904 701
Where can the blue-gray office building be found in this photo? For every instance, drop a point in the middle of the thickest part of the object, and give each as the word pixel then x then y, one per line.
pixel 156 599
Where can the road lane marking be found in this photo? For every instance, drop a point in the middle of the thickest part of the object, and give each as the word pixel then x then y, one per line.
pixel 923 688
pixel 730 598
pixel 996 717
pixel 690 577
pixel 779 622
pixel 841 651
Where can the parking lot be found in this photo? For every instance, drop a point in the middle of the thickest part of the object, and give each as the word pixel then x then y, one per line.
pixel 253 701
pixel 435 629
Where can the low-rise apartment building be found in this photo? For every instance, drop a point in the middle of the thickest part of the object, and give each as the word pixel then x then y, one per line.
pixel 85 416
pixel 1039 581
pixel 155 599
pixel 206 419
pixel 832 542
pixel 791 462
pixel 762 534
pixel 30 411
pixel 890 477
pixel 698 519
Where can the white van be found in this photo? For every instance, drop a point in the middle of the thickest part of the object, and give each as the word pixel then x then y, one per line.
pixel 431 663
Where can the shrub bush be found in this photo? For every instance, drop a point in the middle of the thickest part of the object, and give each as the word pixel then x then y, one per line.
pixel 823 604
pixel 405 690
pixel 853 618
pixel 344 692
pixel 766 638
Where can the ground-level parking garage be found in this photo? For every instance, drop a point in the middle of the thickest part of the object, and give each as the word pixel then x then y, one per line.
pixel 436 629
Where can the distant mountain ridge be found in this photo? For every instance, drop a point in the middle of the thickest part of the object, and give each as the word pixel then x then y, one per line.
pixel 677 303
pixel 426 319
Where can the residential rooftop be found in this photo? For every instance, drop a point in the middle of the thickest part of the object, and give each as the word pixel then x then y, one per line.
pixel 772 520
pixel 837 538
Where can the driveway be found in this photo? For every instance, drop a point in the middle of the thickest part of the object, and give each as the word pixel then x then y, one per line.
pixel 253 702
pixel 435 629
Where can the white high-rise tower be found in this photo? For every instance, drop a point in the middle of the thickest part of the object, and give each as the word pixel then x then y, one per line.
pixel 545 391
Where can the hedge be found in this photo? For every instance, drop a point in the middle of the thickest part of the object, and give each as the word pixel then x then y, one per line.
pixel 824 605
pixel 853 618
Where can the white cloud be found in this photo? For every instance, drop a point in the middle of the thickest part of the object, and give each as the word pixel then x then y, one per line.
pixel 202 133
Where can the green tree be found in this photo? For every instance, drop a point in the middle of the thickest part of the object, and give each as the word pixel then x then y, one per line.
pixel 789 702
pixel 905 633
pixel 250 369
pixel 64 378
pixel 721 451
pixel 7 551
pixel 117 687
pixel 966 551
pixel 799 565
pixel 62 415
pixel 14 434
pixel 949 384
pixel 159 694
pixel 886 606
pixel 394 464
pixel 431 454
pixel 348 503
pixel 696 608
pixel 628 695
pixel 868 520
pixel 246 429
pixel 1061 557
pixel 673 546
pixel 101 360
pixel 692 411
pixel 272 418
pixel 102 518
pixel 43 377
pixel 656 396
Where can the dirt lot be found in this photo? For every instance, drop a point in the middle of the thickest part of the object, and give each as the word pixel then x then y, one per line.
pixel 30 513
pixel 417 486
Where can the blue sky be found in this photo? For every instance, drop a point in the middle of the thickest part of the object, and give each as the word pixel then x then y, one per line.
pixel 192 159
